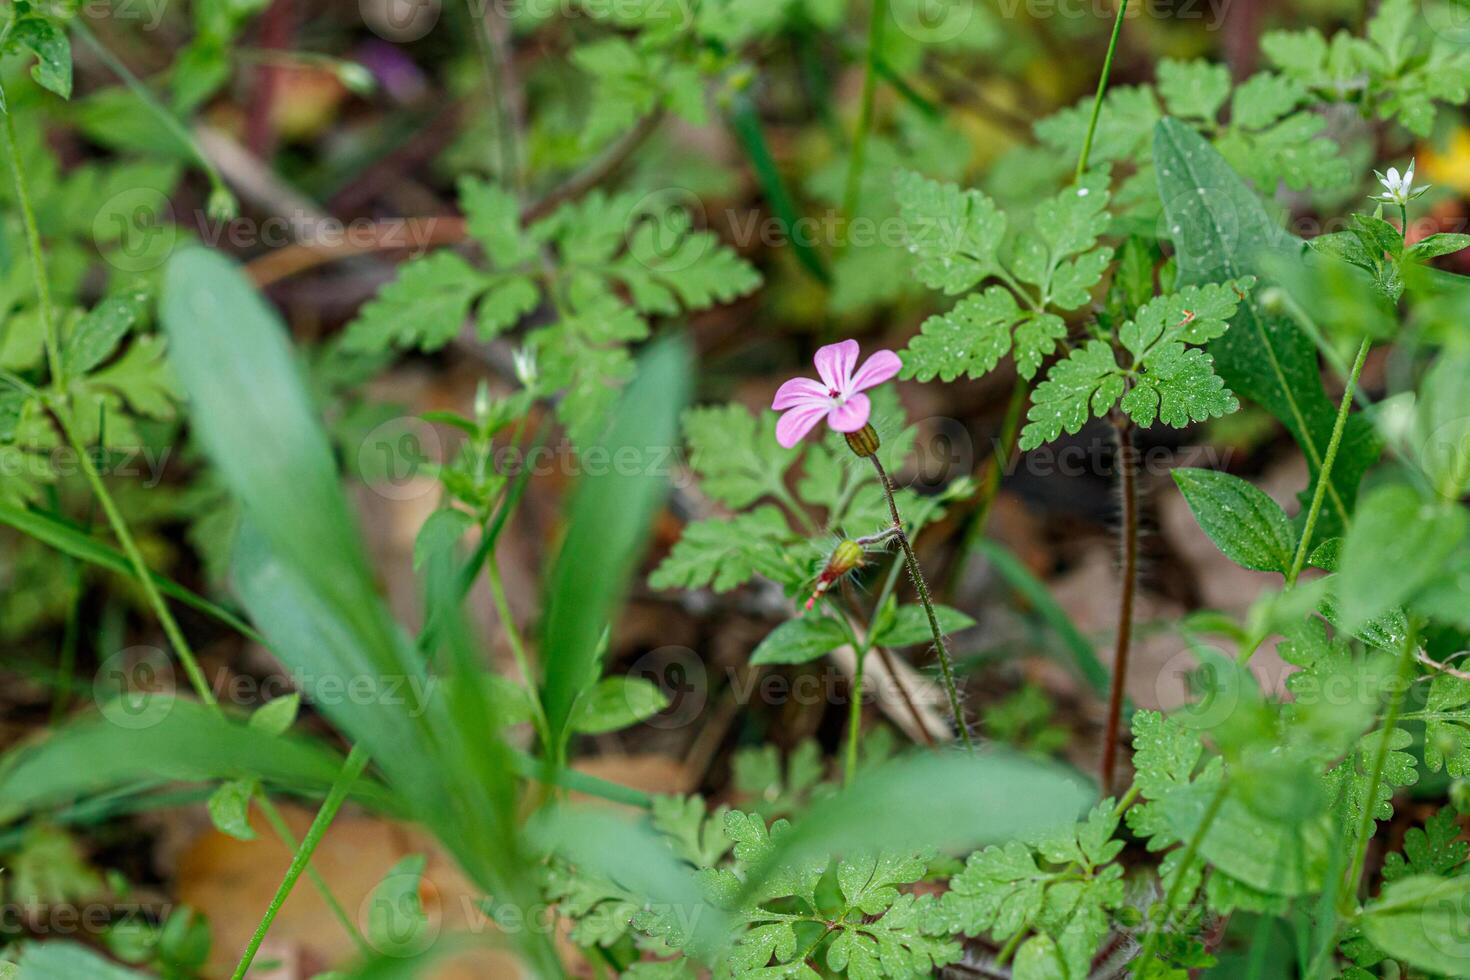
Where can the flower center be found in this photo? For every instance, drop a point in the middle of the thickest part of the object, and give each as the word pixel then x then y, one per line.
pixel 836 396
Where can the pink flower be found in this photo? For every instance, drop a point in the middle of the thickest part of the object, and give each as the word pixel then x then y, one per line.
pixel 837 396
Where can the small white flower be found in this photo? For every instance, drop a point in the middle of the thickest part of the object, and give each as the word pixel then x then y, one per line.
pixel 1398 190
pixel 525 364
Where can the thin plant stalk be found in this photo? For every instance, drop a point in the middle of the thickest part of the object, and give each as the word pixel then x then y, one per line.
pixel 859 151
pixel 916 575
pixel 1102 87
pixel 1324 475
pixel 1125 468
pixel 1128 487
pixel 356 761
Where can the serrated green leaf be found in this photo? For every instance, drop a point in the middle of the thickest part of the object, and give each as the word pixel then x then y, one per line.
pixel 1265 98
pixel 1193 89
pixel 423 308
pixel 735 453
pixel 493 219
pixel 952 234
pixel 1087 382
pixel 721 553
pixel 1178 386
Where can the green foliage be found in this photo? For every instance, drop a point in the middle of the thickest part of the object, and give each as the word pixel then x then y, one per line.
pixel 959 240
pixel 1163 379
pixel 1399 71
pixel 848 915
pixel 1413 920
pixel 1058 889
pixel 1247 526
pixel 1264 357
pixel 603 264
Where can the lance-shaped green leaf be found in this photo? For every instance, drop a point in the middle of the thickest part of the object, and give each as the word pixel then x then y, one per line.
pixel 1247 526
pixel 1219 227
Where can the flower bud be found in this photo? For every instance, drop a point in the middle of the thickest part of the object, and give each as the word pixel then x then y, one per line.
pixel 844 558
pixel 864 442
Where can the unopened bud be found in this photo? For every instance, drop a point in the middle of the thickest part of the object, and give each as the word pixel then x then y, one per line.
pixel 844 558
pixel 864 442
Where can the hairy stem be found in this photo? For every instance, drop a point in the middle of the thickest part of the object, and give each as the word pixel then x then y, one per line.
pixel 1102 87
pixel 356 761
pixel 1128 480
pixel 916 575
pixel 876 17
pixel 1349 894
pixel 1324 475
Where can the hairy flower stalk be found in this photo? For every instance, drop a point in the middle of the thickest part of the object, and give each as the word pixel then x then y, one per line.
pixel 838 398
pixel 864 443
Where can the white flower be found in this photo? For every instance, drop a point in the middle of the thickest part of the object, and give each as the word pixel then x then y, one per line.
pixel 525 364
pixel 1398 190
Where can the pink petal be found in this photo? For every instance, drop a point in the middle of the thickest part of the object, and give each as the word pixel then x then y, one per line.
pixel 835 363
pixel 797 423
pixel 850 416
pixel 878 368
pixel 798 391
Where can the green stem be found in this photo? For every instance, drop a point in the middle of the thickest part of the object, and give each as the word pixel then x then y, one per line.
pixel 1324 475
pixel 1102 87
pixel 278 824
pixel 518 650
pixel 356 761
pixel 1171 899
pixel 38 263
pixel 855 161
pixel 916 575
pixel 855 714
pixel 150 102
pixel 1349 894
